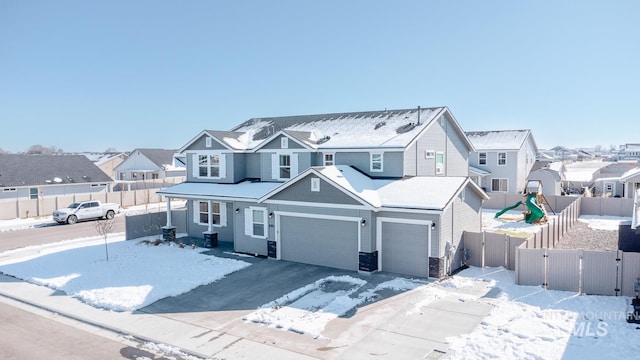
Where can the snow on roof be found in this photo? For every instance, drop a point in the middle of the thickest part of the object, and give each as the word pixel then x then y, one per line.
pixel 478 171
pixel 498 140
pixel 420 192
pixel 583 170
pixel 393 128
pixel 629 174
pixel 243 190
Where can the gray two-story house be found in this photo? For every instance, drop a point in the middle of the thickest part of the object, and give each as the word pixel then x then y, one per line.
pixel 367 191
pixel 505 156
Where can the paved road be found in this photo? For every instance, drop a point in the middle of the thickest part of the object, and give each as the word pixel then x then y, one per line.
pixel 26 335
pixel 53 232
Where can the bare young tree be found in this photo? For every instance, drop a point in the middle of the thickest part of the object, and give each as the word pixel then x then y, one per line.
pixel 104 227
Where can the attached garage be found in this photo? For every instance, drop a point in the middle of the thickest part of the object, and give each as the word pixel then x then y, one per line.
pixel 319 239
pixel 404 246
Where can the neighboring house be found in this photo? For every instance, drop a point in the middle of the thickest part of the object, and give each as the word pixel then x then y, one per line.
pixel 617 179
pixel 508 155
pixel 630 151
pixel 368 191
pixel 25 176
pixel 107 162
pixel 150 166
pixel 631 182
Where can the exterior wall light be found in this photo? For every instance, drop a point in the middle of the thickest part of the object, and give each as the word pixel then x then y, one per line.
pixel 363 222
pixel 270 215
pixel 433 226
pixel 237 210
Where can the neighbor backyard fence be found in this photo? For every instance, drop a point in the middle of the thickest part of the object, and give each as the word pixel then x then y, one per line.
pixel 536 262
pixel 44 206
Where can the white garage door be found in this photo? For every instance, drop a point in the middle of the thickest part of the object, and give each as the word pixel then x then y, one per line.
pixel 324 242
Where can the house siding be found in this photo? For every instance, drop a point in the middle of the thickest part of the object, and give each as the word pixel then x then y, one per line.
pixel 253 165
pixel 225 233
pixel 304 162
pixel 466 217
pixel 228 164
pixel 275 144
pixel 238 167
pixel 201 144
pixel 301 192
pixel 392 163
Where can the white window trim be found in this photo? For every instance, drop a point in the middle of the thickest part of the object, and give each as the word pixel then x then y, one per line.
pixel 223 213
pixel 315 184
pixel 485 159
pixel 9 190
pixel 275 165
pixel 506 187
pixel 371 162
pixel 429 154
pixel 498 159
pixel 222 165
pixel 333 159
pixel 248 222
pixel 440 166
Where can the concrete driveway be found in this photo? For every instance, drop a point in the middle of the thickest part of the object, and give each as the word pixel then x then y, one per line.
pixel 399 324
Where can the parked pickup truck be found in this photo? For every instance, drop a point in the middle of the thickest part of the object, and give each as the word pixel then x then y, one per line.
pixel 85 210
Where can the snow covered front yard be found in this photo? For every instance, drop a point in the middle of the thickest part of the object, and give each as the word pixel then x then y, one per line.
pixel 136 274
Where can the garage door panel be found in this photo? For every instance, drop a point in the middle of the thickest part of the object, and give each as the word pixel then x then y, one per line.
pixel 405 249
pixel 324 242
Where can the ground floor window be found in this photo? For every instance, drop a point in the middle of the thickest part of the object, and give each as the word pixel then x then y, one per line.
pixel 255 222
pixel 203 212
pixel 500 185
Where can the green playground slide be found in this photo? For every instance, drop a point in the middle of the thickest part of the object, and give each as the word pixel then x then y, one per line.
pixel 536 212
pixel 507 209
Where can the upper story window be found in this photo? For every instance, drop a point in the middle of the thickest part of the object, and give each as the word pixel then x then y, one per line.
pixel 209 166
pixel 502 158
pixel 285 166
pixel 328 159
pixel 482 158
pixel 429 154
pixel 376 164
pixel 9 190
pixel 284 142
pixel 439 163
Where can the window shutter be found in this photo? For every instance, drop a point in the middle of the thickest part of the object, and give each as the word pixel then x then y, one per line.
pixel 275 167
pixel 248 222
pixel 196 211
pixel 294 165
pixel 223 166
pixel 194 165
pixel 223 214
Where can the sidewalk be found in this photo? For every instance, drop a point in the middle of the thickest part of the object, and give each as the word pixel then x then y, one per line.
pixel 397 327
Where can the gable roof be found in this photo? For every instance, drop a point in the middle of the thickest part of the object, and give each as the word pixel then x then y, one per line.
pixel 162 158
pixel 498 139
pixel 34 170
pixel 232 140
pixel 372 129
pixel 418 193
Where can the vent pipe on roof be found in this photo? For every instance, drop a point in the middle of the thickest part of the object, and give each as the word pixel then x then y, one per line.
pixel 418 115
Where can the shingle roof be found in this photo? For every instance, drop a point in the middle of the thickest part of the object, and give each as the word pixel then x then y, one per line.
pixel 32 170
pixel 387 128
pixel 498 139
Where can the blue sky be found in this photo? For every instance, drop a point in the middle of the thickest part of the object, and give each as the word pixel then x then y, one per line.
pixel 89 75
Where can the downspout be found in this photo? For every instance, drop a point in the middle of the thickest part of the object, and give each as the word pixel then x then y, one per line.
pixel 417 142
